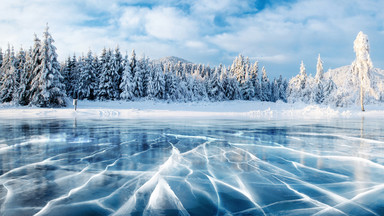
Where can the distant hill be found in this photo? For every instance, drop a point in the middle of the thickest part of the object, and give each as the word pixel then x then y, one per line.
pixel 172 60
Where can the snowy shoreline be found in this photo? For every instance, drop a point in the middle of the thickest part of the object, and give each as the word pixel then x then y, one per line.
pixel 201 110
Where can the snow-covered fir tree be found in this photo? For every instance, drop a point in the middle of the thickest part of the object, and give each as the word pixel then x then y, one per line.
pixel 248 90
pixel 107 88
pixel 87 78
pixel 254 73
pixel 22 93
pixel 215 89
pixel 48 89
pixel 8 79
pixel 158 82
pixel 19 75
pixel 1 58
pixel 265 86
pixel 126 86
pixel 299 86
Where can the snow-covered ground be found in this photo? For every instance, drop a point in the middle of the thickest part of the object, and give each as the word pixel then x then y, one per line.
pixel 215 110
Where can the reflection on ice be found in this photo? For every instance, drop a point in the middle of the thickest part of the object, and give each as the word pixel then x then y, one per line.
pixel 142 167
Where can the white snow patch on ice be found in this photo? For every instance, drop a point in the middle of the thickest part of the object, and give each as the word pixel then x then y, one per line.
pixel 214 110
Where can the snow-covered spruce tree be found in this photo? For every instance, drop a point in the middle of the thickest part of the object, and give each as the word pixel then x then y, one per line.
pixel 254 71
pixel 248 90
pixel 1 58
pixel 108 89
pixel 19 74
pixel 158 82
pixel 283 89
pixel 48 89
pixel 7 79
pixel 265 90
pixel 215 89
pixel 298 86
pixel 87 78
pixel 198 87
pixel 362 66
pixel 126 86
pixel 70 74
pixel 238 68
pixel 275 90
pixel 318 88
pixel 140 78
pixel 119 67
pixel 22 93
pixel 150 94
pixel 232 91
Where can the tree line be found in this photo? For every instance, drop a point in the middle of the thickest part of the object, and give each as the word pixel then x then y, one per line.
pixel 35 77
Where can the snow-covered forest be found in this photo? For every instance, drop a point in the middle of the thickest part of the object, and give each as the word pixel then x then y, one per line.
pixel 35 77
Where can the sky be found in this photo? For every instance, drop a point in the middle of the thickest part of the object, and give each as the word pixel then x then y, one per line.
pixel 279 34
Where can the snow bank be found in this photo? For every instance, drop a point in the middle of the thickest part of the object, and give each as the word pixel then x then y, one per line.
pixel 210 110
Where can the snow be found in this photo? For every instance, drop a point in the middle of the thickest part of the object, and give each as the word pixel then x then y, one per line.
pixel 202 110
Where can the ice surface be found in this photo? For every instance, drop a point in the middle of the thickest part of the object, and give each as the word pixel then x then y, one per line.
pixel 192 167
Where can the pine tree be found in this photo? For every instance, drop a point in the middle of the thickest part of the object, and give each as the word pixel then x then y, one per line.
pixel 8 80
pixel 158 82
pixel 119 68
pixel 48 89
pixel 283 89
pixel 248 90
pixel 87 78
pixel 22 92
pixel 108 89
pixel 265 87
pixel 1 58
pixel 318 88
pixel 254 71
pixel 215 89
pixel 238 69
pixel 19 75
pixel 126 86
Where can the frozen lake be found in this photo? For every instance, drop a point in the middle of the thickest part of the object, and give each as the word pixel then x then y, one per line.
pixel 192 167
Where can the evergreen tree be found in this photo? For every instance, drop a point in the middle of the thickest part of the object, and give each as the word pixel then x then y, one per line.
pixel 119 67
pixel 22 93
pixel 126 86
pixel 158 82
pixel 319 69
pixel 87 78
pixel 108 89
pixel 238 69
pixel 215 90
pixel 19 75
pixel 1 59
pixel 265 87
pixel 283 89
pixel 248 90
pixel 254 71
pixel 48 89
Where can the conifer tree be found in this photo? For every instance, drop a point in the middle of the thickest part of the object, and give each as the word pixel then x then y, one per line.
pixel 87 78
pixel 265 86
pixel 48 89
pixel 126 86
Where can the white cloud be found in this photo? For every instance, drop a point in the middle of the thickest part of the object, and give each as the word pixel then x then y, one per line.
pixel 282 35
pixel 170 23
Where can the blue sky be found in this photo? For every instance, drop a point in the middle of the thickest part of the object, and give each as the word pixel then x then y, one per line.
pixel 279 34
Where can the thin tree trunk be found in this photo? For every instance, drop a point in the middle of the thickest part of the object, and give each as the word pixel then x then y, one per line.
pixel 362 97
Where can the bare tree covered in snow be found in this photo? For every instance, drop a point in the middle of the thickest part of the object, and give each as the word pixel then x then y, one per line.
pixel 362 66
